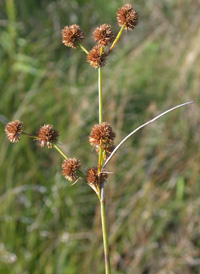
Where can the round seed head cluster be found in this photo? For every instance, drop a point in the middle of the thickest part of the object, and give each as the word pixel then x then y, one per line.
pixel 96 58
pixel 103 136
pixel 69 168
pixel 72 34
pixel 93 178
pixel 128 16
pixel 13 131
pixel 47 135
pixel 103 35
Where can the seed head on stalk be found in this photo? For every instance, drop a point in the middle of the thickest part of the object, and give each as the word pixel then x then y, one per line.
pixel 103 136
pixel 127 16
pixel 97 57
pixel 103 35
pixel 71 35
pixel 47 135
pixel 94 179
pixel 70 167
pixel 13 131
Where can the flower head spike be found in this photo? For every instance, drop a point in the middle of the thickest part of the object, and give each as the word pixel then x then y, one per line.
pixel 97 57
pixel 13 131
pixel 69 168
pixel 103 136
pixel 93 178
pixel 127 16
pixel 72 34
pixel 47 135
pixel 103 35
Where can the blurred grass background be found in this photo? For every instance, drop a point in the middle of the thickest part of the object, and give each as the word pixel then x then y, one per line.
pixel 153 197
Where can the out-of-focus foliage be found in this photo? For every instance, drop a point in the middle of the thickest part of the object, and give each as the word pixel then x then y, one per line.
pixel 153 197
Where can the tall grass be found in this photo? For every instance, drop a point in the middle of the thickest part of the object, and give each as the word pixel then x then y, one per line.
pixel 153 200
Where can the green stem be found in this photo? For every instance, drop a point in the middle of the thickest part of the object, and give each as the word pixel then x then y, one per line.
pixel 104 231
pixel 117 38
pixel 79 173
pixel 102 194
pixel 83 48
pixel 30 135
pixel 100 159
pixel 103 157
pixel 100 113
pixel 100 95
pixel 60 151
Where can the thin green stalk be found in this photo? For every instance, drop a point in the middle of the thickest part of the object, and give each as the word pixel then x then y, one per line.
pixel 103 157
pixel 83 48
pixel 60 151
pixel 100 95
pixel 100 163
pixel 102 194
pixel 117 38
pixel 79 173
pixel 104 231
pixel 100 113
pixel 30 135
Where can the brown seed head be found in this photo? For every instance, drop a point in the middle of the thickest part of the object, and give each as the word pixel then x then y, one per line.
pixel 13 131
pixel 103 35
pixel 96 58
pixel 69 168
pixel 102 135
pixel 47 135
pixel 93 178
pixel 128 16
pixel 72 34
pixel 92 175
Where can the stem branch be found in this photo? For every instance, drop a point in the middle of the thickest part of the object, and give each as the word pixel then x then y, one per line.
pixel 100 95
pixel 83 48
pixel 60 151
pixel 79 173
pixel 30 135
pixel 117 38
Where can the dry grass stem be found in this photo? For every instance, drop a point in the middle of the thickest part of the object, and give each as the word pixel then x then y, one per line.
pixel 137 129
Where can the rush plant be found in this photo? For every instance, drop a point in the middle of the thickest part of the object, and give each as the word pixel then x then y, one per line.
pixel 102 135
